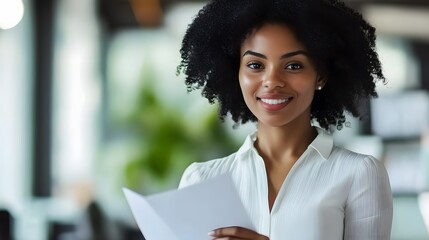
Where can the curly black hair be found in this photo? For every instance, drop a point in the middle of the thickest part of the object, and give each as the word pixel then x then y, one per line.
pixel 339 41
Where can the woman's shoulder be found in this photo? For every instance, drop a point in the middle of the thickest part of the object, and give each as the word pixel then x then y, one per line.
pixel 200 171
pixel 353 161
pixel 365 176
pixel 339 153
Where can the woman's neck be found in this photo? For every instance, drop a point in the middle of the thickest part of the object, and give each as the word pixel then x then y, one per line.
pixel 284 144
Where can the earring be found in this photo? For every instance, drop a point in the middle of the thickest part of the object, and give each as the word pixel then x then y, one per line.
pixel 319 88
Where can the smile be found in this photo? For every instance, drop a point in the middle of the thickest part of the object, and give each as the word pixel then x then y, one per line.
pixel 275 101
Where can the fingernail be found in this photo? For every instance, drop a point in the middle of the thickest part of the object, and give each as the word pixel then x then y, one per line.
pixel 212 233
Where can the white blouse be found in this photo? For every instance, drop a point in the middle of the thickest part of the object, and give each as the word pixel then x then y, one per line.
pixel 329 194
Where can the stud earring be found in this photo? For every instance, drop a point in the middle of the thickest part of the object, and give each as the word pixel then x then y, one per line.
pixel 319 88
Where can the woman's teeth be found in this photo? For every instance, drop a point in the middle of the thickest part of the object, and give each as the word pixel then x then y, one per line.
pixel 275 101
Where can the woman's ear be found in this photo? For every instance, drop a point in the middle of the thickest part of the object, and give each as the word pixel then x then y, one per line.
pixel 320 82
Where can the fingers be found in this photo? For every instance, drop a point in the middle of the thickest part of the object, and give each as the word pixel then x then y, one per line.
pixel 239 233
pixel 228 238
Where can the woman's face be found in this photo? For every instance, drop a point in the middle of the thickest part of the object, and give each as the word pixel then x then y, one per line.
pixel 277 77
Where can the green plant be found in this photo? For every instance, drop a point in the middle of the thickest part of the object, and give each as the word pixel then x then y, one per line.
pixel 168 141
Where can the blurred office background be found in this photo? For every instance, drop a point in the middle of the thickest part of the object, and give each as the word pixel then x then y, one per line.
pixel 90 102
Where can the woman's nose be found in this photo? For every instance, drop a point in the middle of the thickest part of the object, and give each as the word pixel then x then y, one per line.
pixel 273 80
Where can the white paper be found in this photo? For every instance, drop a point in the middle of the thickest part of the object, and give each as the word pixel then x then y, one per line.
pixel 189 213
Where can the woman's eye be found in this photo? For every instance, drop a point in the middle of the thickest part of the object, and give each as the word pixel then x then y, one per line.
pixel 294 66
pixel 254 65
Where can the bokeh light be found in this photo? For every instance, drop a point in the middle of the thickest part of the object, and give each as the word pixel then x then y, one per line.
pixel 11 13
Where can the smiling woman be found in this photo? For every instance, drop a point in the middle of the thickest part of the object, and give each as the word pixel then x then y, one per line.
pixel 287 65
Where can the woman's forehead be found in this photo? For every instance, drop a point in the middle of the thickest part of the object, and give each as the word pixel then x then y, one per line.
pixel 272 36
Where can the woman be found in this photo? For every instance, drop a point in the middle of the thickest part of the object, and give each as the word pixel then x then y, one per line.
pixel 291 65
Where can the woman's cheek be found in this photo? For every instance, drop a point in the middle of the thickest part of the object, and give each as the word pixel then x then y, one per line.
pixel 248 81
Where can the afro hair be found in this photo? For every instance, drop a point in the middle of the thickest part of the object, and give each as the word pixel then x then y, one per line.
pixel 339 41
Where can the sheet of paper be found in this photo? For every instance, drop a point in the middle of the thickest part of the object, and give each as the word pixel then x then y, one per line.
pixel 189 213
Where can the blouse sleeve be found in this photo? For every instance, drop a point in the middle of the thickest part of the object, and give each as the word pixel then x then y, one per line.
pixel 369 210
pixel 190 176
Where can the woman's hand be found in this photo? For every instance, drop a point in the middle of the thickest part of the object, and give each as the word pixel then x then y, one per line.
pixel 236 233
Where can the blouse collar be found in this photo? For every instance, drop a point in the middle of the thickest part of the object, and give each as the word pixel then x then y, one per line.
pixel 323 143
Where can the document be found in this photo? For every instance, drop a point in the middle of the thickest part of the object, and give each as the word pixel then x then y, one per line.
pixel 189 213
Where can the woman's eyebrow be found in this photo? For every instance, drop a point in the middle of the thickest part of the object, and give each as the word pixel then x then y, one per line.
pixel 287 55
pixel 248 52
pixel 291 54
